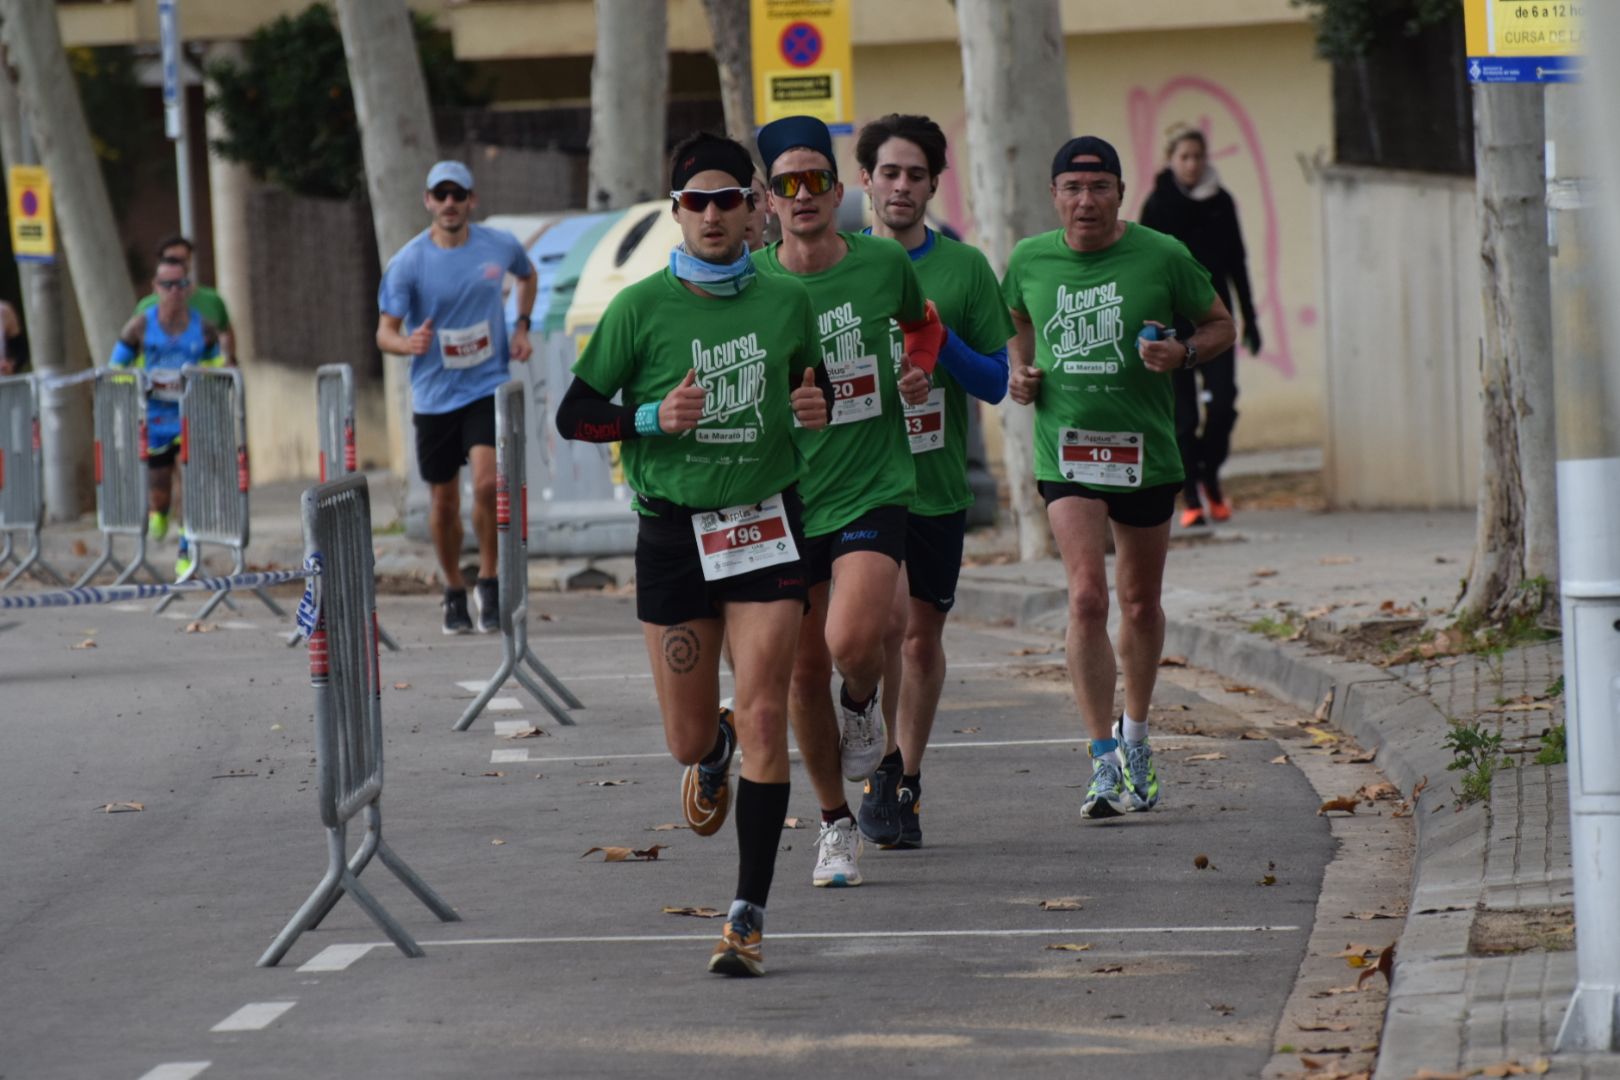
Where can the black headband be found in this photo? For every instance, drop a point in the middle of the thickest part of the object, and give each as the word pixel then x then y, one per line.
pixel 711 152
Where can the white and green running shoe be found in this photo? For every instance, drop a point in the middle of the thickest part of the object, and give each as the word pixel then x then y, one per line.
pixel 1106 796
pixel 1140 778
pixel 182 563
pixel 157 525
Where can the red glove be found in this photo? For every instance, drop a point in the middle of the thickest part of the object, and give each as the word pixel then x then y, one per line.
pixel 924 339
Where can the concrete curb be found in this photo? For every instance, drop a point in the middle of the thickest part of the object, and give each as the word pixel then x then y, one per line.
pixel 1425 1020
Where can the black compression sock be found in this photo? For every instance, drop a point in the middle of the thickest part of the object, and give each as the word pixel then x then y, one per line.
pixel 913 784
pixel 850 703
pixel 836 814
pixel 761 809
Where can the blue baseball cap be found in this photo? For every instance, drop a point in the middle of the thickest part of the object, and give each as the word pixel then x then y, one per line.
pixel 452 172
pixel 791 132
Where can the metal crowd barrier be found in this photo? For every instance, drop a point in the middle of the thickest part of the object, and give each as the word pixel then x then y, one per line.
pixel 339 617
pixel 22 478
pixel 512 560
pixel 334 423
pixel 121 454
pixel 214 473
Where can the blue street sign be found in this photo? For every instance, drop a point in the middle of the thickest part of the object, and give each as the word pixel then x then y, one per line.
pixel 1523 69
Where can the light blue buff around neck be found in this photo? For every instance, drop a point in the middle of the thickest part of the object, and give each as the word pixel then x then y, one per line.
pixel 719 279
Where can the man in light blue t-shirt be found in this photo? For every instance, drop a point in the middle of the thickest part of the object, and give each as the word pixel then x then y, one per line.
pixel 446 285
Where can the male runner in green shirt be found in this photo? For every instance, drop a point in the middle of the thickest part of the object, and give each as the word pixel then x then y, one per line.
pixel 715 365
pixel 901 158
pixel 859 477
pixel 1091 302
pixel 204 301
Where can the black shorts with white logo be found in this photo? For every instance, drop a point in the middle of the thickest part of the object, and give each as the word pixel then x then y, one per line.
pixel 443 440
pixel 670 587
pixel 934 557
pixel 1141 509
pixel 881 529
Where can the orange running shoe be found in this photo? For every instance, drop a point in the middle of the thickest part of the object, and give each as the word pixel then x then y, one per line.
pixel 1193 518
pixel 1219 510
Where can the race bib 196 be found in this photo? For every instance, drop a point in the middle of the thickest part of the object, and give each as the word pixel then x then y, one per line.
pixel 925 423
pixel 739 539
pixel 466 347
pixel 1101 457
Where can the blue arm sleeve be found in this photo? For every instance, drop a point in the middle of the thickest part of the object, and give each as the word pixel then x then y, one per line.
pixel 122 354
pixel 985 377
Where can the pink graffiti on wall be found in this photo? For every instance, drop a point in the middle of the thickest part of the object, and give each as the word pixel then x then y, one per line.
pixel 1235 151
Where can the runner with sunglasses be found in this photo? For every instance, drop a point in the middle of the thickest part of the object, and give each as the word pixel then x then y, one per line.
pixel 715 365
pixel 446 282
pixel 860 476
pixel 901 158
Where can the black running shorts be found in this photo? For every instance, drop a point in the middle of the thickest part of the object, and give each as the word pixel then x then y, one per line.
pixel 443 440
pixel 881 529
pixel 670 588
pixel 934 557
pixel 1140 509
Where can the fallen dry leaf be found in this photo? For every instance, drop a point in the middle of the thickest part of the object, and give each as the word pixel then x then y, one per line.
pixel 1383 790
pixel 1034 650
pixel 1321 737
pixel 498 843
pixel 1335 991
pixel 1269 879
pixel 624 854
pixel 1386 965
pixel 493 772
pixel 1070 947
pixel 1213 755
pixel 668 826
pixel 122 808
pixel 402 686
pixel 80 548
pixel 1265 571
pixel 1108 969
pixel 1417 788
pixel 605 783
pixel 1325 709
pixel 200 628
pixel 1323 1027
pixel 1253 736
pixel 1201 862
pixel 1238 688
pixel 530 732
pixel 966 731
pixel 1172 661
pixel 1366 757
pixel 1368 916
pixel 1320 612
pixel 87 643
pixel 1062 903
pixel 1280 759
pixel 1438 1074
pixel 1345 803
pixel 694 912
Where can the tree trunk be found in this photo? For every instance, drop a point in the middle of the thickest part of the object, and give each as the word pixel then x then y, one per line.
pixel 1515 564
pixel 629 103
pixel 1012 55
pixel 729 22
pixel 398 144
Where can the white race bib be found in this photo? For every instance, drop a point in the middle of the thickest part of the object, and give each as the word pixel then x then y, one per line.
pixel 739 539
pixel 466 347
pixel 1101 457
pixel 855 389
pixel 925 423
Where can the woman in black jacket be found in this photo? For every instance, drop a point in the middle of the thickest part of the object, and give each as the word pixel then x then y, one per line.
pixel 1189 203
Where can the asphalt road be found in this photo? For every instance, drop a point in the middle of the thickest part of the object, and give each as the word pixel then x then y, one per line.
pixel 126 938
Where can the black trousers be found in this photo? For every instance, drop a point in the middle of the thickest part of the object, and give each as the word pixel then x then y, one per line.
pixel 1204 452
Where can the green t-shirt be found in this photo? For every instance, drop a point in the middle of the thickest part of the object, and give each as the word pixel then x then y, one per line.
pixel 958 279
pixel 204 301
pixel 749 351
pixel 862 459
pixel 1097 397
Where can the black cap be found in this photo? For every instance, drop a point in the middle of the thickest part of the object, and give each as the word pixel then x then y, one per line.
pixel 1087 146
pixel 791 132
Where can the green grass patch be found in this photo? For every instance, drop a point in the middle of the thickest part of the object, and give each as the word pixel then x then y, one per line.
pixel 1477 754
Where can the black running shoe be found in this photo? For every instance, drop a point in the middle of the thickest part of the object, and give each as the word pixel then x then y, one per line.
pixel 879 815
pixel 910 819
pixel 456 619
pixel 488 598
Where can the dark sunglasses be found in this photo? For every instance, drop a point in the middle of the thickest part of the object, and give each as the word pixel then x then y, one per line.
pixel 698 200
pixel 177 283
pixel 446 193
pixel 819 181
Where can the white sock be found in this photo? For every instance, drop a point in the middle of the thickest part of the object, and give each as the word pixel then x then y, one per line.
pixel 1135 731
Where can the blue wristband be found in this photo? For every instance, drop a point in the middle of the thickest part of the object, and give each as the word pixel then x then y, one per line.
pixel 647 419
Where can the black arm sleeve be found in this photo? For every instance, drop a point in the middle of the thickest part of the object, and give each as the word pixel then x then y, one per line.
pixel 585 414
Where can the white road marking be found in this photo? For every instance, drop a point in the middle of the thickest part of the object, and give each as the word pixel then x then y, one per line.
pixel 502 757
pixel 258 1015
pixel 335 958
pixel 137 609
pixel 475 687
pixel 239 624
pixel 176 1070
pixel 505 704
pixel 510 727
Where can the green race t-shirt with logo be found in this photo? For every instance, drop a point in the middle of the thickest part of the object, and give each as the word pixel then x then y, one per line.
pixel 204 301
pixel 749 351
pixel 1100 410
pixel 958 279
pixel 861 460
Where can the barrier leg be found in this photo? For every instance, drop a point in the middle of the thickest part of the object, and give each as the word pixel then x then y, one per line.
pixel 387 639
pixel 274 607
pixel 191 572
pixel 539 694
pixel 496 681
pixel 5 552
pixel 102 562
pixel 379 915
pixel 32 561
pixel 551 680
pixel 137 562
pixel 357 862
pixel 320 900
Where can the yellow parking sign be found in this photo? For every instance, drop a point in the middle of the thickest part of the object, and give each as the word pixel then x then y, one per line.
pixel 803 62
pixel 33 233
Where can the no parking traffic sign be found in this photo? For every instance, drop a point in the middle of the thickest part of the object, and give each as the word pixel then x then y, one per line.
pixel 802 61
pixel 33 233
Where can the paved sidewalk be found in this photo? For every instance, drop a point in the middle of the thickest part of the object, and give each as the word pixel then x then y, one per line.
pixel 1475 982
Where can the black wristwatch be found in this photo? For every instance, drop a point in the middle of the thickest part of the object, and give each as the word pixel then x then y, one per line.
pixel 523 321
pixel 1191 359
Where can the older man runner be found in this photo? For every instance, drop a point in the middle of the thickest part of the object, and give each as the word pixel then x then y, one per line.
pixel 715 364
pixel 446 283
pixel 860 478
pixel 901 158
pixel 1091 301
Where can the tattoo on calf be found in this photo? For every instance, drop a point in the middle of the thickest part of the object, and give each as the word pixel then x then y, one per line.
pixel 680 649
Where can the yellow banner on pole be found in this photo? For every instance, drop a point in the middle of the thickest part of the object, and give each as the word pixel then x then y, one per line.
pixel 1536 41
pixel 33 232
pixel 803 61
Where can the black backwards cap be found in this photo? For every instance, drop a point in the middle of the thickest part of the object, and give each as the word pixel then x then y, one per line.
pixel 1087 146
pixel 791 132
pixel 704 152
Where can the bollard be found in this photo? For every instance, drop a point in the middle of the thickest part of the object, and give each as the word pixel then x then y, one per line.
pixel 339 618
pixel 120 451
pixel 22 478
pixel 214 473
pixel 512 561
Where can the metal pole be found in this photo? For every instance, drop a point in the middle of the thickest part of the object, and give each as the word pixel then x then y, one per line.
pixel 176 122
pixel 1582 119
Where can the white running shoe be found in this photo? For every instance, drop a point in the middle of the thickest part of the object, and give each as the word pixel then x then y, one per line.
pixel 860 745
pixel 837 849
